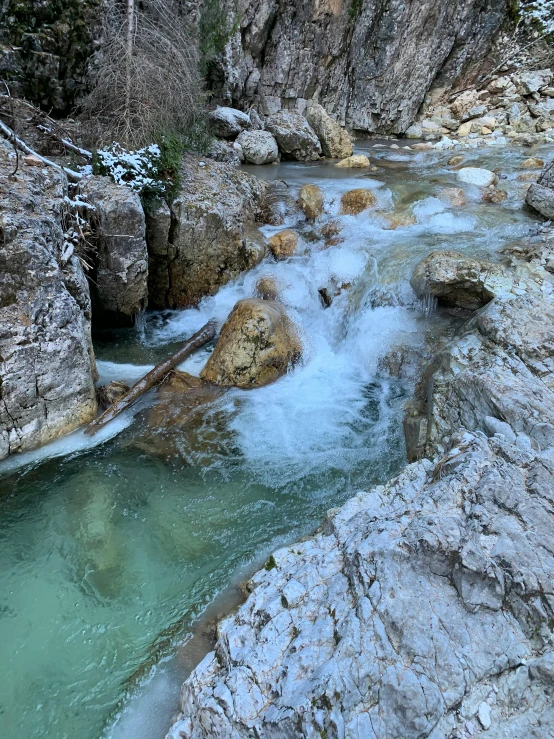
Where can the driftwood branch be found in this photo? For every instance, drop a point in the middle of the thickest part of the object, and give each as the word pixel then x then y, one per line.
pixel 206 333
pixel 16 141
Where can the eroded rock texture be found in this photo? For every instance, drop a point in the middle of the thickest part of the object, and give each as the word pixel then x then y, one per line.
pixel 421 604
pixel 46 358
pixel 369 63
pixel 205 239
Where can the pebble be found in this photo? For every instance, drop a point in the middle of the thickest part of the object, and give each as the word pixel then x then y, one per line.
pixel 484 715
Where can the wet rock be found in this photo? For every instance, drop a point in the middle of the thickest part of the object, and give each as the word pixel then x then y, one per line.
pixel 540 195
pixel 500 367
pixel 267 288
pixel 211 237
pixel 453 196
pixel 399 219
pixel 335 241
pixel 353 162
pixel 331 228
pixel 258 147
pixel 335 141
pixel 477 176
pixel 228 122
pixel 456 160
pixel 47 367
pixel 283 244
pixel 119 286
pixel 494 195
pixel 311 200
pixel 257 344
pixel 458 281
pixel 295 137
pixel 179 425
pixel 109 394
pixel 532 163
pixel 356 201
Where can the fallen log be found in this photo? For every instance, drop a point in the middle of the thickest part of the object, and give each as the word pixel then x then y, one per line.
pixel 206 333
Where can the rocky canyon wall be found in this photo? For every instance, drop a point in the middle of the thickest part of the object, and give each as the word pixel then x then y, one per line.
pixel 370 63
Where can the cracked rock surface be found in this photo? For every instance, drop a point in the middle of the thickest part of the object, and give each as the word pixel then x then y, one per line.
pixel 46 359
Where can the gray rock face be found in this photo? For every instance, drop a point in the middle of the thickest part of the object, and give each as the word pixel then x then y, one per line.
pixel 458 281
pixel 501 366
pixel 418 596
pixel 47 364
pixel 207 238
pixel 285 54
pixel 258 147
pixel 540 195
pixel 120 287
pixel 295 137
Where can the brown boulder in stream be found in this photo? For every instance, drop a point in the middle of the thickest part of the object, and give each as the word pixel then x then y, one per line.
pixel 311 200
pixel 355 201
pixel 257 344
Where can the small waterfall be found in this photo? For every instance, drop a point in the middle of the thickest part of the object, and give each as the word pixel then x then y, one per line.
pixel 140 325
pixel 428 305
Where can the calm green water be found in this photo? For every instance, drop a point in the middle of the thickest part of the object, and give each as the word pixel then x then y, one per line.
pixel 108 553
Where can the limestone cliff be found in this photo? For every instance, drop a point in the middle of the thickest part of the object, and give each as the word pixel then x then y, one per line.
pixel 368 62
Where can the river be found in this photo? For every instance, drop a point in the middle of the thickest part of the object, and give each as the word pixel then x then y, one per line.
pixel 112 548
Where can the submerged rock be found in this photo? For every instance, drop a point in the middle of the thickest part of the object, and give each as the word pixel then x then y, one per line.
pixel 335 141
pixel 267 288
pixel 257 344
pixel 109 394
pixel 458 281
pixel 47 367
pixel 311 200
pixel 453 196
pixel 477 176
pixel 207 238
pixel 355 201
pixel 283 244
pixel 353 162
pixel 119 286
pixel 258 147
pixel 494 195
pixel 296 139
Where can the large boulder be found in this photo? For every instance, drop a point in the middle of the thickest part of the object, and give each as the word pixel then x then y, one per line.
pixel 257 344
pixel 120 276
pixel 47 367
pixel 501 366
pixel 458 281
pixel 540 195
pixel 208 236
pixel 258 147
pixel 335 141
pixel 228 122
pixel 295 137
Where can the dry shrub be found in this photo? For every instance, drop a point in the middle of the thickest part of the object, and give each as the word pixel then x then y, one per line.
pixel 144 81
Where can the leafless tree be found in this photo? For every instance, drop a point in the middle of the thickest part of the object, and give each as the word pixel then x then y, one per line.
pixel 144 81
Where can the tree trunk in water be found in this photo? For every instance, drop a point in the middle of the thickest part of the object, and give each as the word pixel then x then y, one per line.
pixel 206 333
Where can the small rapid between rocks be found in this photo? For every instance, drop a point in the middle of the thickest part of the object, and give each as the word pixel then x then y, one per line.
pixel 111 548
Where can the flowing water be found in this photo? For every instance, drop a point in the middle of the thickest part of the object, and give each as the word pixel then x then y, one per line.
pixel 110 548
